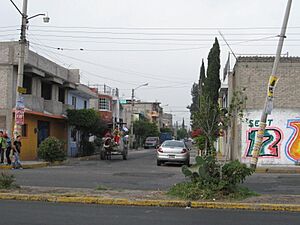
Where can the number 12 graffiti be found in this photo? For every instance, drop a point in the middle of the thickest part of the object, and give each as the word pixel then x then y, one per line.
pixel 271 142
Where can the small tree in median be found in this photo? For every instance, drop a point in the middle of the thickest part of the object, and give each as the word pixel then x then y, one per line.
pixel 51 150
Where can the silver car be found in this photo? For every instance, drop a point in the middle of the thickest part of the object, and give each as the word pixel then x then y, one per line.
pixel 173 151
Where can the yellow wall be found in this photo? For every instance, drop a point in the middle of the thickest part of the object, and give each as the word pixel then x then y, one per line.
pixel 58 129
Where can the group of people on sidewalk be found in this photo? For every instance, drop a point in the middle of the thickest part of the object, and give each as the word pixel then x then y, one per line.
pixel 11 150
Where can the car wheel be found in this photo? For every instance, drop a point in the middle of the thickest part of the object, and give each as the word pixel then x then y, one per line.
pixel 158 163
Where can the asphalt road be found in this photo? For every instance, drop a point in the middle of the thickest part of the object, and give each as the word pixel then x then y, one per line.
pixel 41 213
pixel 138 172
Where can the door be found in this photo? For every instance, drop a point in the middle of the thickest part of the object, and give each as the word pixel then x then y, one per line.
pixel 43 131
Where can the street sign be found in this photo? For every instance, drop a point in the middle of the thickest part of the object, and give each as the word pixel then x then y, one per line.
pixel 20 103
pixel 22 90
pixel 123 101
pixel 19 117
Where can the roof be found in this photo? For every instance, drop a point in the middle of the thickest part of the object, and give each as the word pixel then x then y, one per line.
pixel 266 59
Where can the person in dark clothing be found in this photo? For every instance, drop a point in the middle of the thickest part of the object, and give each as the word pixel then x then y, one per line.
pixel 17 150
pixel 2 147
pixel 8 149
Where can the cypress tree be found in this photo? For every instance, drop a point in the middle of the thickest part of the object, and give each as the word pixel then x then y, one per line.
pixel 201 78
pixel 212 82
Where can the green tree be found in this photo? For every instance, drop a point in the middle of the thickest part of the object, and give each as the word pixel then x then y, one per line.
pixel 88 123
pixel 143 129
pixel 201 78
pixel 182 133
pixel 194 107
pixel 212 82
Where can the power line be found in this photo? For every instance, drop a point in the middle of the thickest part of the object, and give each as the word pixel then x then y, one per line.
pixel 163 28
pixel 131 72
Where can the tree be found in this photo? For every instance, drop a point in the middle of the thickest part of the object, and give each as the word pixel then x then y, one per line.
pixel 212 82
pixel 143 129
pixel 88 123
pixel 194 107
pixel 207 118
pixel 201 78
pixel 182 133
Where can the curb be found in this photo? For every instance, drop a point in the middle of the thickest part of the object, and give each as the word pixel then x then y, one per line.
pixel 156 203
pixel 27 166
pixel 278 170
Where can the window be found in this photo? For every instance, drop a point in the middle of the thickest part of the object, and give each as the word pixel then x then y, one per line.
pixel 46 91
pixel 74 102
pixel 85 104
pixel 27 83
pixel 61 94
pixel 104 104
pixel 24 130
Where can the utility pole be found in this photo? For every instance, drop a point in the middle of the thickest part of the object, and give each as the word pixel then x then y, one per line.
pixel 19 106
pixel 131 139
pixel 268 107
pixel 131 121
pixel 22 42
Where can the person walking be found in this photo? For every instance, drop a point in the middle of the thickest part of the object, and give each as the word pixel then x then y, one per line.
pixel 17 150
pixel 8 149
pixel 2 147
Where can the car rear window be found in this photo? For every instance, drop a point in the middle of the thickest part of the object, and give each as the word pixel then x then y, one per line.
pixel 173 144
pixel 151 139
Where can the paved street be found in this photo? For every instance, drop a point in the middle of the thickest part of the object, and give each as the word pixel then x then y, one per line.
pixel 37 213
pixel 138 172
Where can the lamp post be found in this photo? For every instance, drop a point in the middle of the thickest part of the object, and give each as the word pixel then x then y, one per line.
pixel 132 106
pixel 22 42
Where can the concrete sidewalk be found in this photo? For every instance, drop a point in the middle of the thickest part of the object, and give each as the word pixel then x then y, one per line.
pixel 27 165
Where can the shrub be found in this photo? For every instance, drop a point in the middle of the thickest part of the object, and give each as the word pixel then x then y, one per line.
pixel 208 179
pixel 87 148
pixel 7 181
pixel 52 149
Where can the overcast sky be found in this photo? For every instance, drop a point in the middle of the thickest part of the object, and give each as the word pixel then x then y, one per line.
pixel 161 42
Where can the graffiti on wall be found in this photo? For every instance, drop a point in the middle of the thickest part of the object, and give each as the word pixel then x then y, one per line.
pixel 271 142
pixel 292 148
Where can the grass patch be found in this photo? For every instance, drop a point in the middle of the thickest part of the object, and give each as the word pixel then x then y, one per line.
pixel 7 181
pixel 192 191
pixel 102 188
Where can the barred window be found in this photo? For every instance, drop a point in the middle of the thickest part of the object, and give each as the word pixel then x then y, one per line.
pixel 104 104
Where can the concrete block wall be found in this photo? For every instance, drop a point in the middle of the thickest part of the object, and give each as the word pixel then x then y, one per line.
pixel 251 74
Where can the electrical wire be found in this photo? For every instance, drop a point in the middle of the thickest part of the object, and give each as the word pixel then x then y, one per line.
pixel 131 72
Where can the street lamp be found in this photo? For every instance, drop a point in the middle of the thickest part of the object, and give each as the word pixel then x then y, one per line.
pixel 132 105
pixel 22 42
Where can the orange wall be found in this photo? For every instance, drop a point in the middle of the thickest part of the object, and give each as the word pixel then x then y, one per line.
pixel 58 129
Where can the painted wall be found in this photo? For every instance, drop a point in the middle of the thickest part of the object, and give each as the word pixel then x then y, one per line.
pixel 79 101
pixel 281 144
pixel 58 129
pixel 73 145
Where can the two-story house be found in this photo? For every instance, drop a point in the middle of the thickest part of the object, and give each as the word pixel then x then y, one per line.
pixel 46 99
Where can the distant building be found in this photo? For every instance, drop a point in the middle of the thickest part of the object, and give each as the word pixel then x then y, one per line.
pixel 78 98
pixel 167 120
pixel 282 137
pixel 150 110
pixel 107 104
